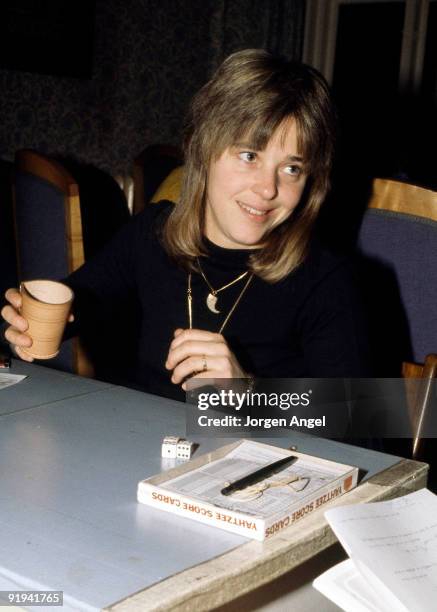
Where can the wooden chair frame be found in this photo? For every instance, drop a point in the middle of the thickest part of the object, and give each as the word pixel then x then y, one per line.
pixel 403 198
pixel 419 395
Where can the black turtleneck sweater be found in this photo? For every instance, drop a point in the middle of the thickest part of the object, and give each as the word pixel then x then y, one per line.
pixel 131 297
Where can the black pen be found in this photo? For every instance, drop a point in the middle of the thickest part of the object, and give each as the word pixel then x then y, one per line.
pixel 258 475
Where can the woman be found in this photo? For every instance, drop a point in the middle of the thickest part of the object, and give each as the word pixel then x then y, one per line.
pixel 228 283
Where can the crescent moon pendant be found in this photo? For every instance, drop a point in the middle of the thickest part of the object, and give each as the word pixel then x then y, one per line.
pixel 211 302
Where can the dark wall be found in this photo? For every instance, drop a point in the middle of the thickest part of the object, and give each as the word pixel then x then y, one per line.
pixel 148 58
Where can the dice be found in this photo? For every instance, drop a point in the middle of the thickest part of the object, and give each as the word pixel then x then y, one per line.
pixel 184 449
pixel 169 446
pixel 176 448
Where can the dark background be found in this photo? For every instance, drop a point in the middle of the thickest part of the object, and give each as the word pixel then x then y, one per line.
pixel 101 80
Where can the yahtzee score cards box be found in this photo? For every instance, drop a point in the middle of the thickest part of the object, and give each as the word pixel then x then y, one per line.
pixel 193 490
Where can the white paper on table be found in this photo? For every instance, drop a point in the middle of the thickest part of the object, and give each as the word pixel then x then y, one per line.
pixel 346 586
pixel 394 546
pixel 6 380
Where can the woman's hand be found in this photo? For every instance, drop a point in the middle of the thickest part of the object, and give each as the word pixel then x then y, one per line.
pixel 15 333
pixel 203 354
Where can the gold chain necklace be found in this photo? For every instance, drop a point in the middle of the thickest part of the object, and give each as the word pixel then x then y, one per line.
pixel 211 299
pixel 228 316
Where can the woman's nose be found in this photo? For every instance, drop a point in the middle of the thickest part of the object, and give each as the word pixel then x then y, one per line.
pixel 265 184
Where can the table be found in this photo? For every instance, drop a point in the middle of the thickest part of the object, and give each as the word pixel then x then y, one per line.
pixel 72 452
pixel 46 387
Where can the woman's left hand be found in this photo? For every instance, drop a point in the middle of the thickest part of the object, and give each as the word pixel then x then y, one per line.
pixel 203 354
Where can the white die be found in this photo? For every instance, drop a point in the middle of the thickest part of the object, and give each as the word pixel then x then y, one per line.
pixel 184 449
pixel 169 447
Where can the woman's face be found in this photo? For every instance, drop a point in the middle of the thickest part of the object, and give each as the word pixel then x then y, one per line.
pixel 249 192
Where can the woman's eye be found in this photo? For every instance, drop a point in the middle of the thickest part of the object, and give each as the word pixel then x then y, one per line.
pixel 293 170
pixel 247 156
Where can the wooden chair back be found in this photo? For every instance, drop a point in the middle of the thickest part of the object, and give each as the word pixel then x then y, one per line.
pixel 403 198
pixel 150 168
pixel 170 188
pixel 48 231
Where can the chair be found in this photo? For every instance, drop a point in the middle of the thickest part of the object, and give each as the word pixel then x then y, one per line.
pixel 49 237
pixel 403 198
pixel 170 188
pixel 398 242
pixel 103 204
pixel 150 168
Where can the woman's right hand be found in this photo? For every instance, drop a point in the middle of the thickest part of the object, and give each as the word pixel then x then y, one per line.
pixel 15 333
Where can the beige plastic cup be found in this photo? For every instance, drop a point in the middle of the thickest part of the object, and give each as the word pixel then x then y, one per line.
pixel 46 305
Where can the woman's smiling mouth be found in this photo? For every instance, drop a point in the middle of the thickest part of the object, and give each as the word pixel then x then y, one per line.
pixel 253 211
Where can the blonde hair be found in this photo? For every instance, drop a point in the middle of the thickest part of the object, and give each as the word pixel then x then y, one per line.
pixel 251 95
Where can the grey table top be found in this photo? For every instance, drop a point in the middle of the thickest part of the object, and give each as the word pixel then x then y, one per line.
pixel 72 452
pixel 44 387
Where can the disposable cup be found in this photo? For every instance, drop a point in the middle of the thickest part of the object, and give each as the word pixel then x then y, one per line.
pixel 46 305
